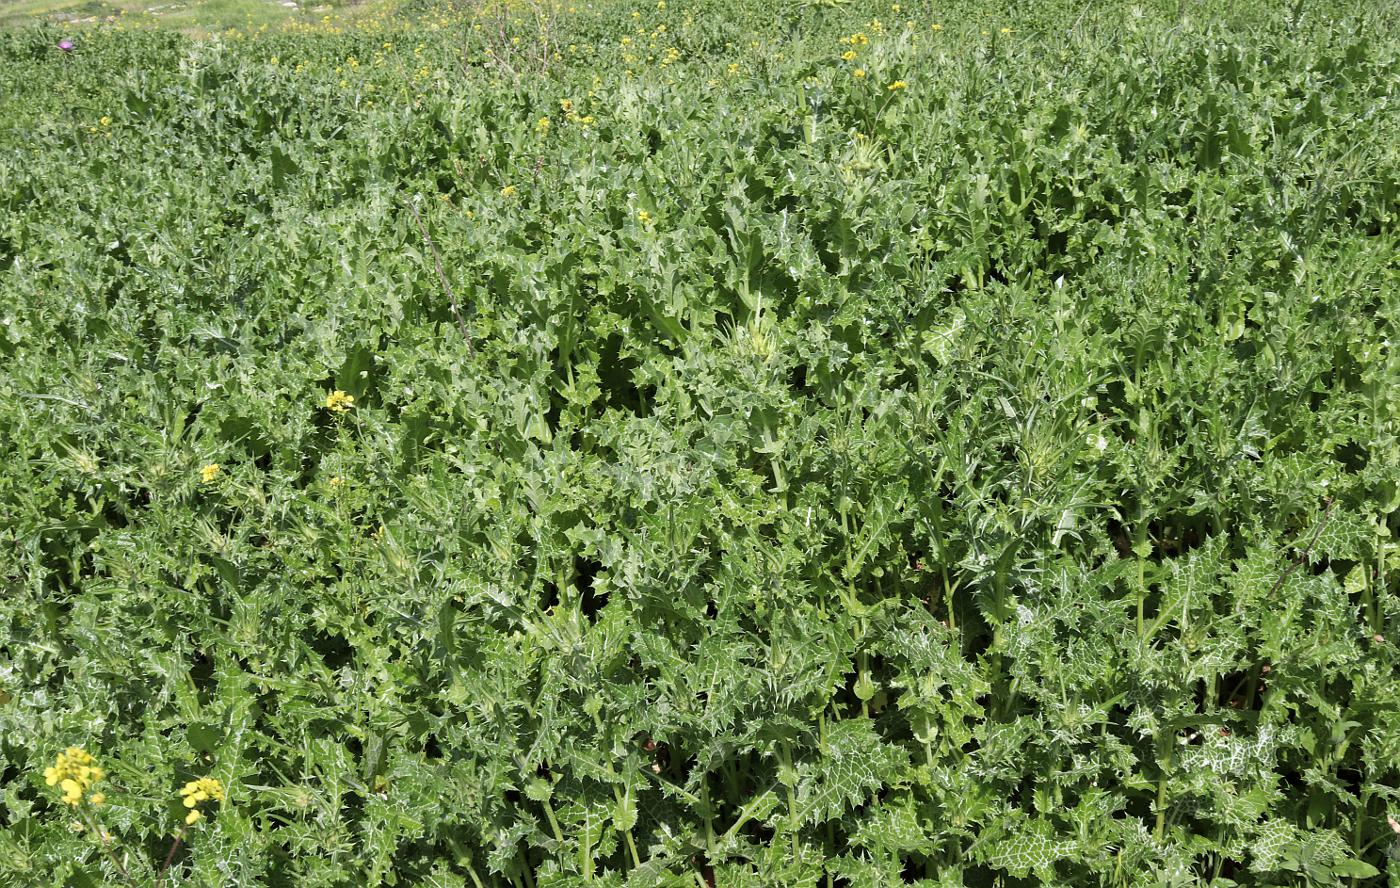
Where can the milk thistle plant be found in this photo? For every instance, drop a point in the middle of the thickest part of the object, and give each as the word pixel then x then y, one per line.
pixel 979 471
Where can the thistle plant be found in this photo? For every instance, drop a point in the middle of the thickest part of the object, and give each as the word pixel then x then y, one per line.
pixel 978 471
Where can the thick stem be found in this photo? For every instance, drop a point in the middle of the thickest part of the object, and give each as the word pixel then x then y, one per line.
pixel 1160 832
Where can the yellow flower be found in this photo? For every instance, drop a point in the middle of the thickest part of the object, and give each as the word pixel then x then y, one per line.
pixel 936 27
pixel 74 771
pixel 105 121
pixel 858 39
pixel 566 106
pixel 97 799
pixel 542 125
pixel 644 217
pixel 209 473
pixel 339 402
pixel 1006 30
pixel 897 85
pixel 204 789
pixel 858 73
pixel 848 55
pixel 507 191
pixel 72 792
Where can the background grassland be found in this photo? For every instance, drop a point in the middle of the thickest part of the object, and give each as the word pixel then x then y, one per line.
pixel 790 479
pixel 192 16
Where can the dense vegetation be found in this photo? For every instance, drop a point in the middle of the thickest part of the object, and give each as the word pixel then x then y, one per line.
pixel 780 444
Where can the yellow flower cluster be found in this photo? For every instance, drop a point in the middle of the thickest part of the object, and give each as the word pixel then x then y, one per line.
pixel 75 772
pixel 858 39
pixel 202 790
pixel 209 472
pixel 339 402
pixel 897 85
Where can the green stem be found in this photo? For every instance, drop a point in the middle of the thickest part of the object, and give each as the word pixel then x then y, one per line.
pixel 97 834
pixel 785 758
pixel 1160 832
pixel 709 814
pixel 1139 544
pixel 948 596
pixel 746 813
pixel 1381 587
pixel 553 822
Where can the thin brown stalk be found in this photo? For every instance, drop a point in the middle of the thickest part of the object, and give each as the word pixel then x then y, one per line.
pixel 170 857
pixel 442 276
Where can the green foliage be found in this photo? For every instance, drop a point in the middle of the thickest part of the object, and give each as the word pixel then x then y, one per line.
pixel 987 482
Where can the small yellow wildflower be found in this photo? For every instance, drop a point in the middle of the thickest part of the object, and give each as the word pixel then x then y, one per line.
pixel 566 106
pixel 936 27
pixel 339 402
pixel 74 771
pixel 97 799
pixel 858 73
pixel 202 790
pixel 848 55
pixel 542 125
pixel 209 472
pixel 508 191
pixel 644 217
pixel 1006 30
pixel 733 68
pixel 205 789
pixel 858 39
pixel 336 481
pixel 105 121
pixel 897 85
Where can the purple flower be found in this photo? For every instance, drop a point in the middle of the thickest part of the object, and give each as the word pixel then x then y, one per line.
pixel 65 45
